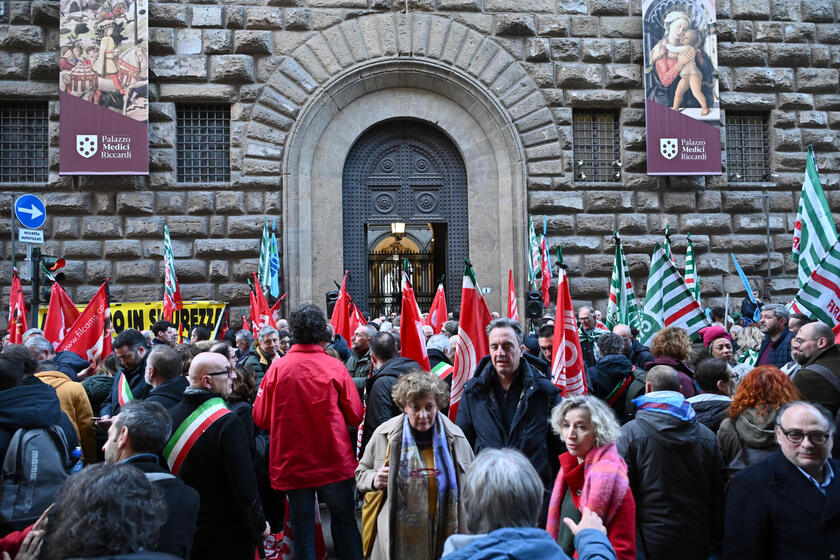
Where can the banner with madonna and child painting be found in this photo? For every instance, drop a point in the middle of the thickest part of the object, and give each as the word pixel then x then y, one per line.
pixel 682 91
pixel 103 87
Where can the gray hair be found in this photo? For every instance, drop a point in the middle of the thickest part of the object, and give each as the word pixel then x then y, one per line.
pixel 820 409
pixel 610 344
pixel 245 335
pixel 505 323
pixel 148 425
pixel 663 378
pixel 267 331
pixel 779 310
pixel 369 330
pixel 438 342
pixel 38 344
pixel 602 416
pixel 501 489
pixel 34 331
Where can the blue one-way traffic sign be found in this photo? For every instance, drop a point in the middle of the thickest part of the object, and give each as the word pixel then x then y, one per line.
pixel 30 211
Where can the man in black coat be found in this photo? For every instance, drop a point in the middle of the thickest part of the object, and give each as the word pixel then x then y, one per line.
pixel 674 466
pixel 788 506
pixel 387 369
pixel 612 375
pixel 137 437
pixel 636 352
pixel 131 348
pixel 218 465
pixel 507 403
pixel 163 374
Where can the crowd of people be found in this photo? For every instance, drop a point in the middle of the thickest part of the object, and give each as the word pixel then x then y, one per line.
pixel 717 448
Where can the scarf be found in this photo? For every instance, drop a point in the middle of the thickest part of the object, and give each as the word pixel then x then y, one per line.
pixel 413 533
pixel 604 487
pixel 666 402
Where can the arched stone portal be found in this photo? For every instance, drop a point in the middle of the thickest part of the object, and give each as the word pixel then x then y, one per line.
pixel 341 82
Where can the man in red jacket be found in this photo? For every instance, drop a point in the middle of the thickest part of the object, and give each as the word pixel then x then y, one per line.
pixel 306 401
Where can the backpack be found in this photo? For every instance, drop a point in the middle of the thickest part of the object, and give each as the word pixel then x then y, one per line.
pixel 635 389
pixel 37 463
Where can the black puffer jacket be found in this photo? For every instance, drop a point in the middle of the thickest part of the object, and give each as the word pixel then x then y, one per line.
pixel 639 354
pixel 32 404
pixel 480 419
pixel 674 466
pixel 711 409
pixel 605 376
pixel 380 404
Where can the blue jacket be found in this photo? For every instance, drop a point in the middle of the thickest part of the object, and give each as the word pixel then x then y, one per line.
pixel 531 543
pixel 780 350
pixel 479 415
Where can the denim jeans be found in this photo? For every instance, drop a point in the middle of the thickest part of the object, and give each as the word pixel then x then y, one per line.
pixel 340 498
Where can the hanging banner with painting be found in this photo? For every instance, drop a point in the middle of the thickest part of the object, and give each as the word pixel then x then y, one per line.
pixel 682 91
pixel 103 87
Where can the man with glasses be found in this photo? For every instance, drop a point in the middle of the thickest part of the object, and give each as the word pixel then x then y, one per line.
pixel 589 333
pixel 209 451
pixel 788 506
pixel 818 378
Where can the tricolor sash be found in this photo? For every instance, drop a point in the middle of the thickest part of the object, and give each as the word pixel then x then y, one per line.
pixel 442 369
pixel 123 390
pixel 190 430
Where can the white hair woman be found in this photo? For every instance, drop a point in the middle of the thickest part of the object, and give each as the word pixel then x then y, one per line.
pixel 592 475
pixel 427 456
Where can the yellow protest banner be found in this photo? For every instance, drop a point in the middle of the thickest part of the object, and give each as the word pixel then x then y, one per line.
pixel 142 315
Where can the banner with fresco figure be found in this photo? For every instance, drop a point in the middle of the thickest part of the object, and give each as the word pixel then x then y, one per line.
pixel 103 87
pixel 682 91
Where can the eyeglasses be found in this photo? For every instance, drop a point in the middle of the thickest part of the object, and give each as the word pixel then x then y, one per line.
pixel 734 376
pixel 799 340
pixel 226 371
pixel 798 436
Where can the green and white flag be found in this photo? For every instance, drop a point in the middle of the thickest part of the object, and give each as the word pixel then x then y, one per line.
pixel 264 272
pixel 668 243
pixel 534 255
pixel 821 293
pixel 691 279
pixel 622 308
pixel 814 232
pixel 668 302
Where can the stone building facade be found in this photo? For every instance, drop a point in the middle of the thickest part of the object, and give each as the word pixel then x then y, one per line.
pixel 502 79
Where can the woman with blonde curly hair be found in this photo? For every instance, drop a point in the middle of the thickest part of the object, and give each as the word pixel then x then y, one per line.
pixel 672 347
pixel 592 475
pixel 419 458
pixel 752 415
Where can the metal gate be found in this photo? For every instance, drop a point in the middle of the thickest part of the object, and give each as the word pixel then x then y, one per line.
pixel 404 171
pixel 385 277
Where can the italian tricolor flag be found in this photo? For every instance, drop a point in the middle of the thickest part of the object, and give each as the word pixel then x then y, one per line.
pixel 124 390
pixel 190 430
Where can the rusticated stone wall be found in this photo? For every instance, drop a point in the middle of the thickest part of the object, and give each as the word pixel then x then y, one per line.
pixel 540 59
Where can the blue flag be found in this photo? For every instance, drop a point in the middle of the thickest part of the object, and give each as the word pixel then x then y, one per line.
pixel 747 287
pixel 274 264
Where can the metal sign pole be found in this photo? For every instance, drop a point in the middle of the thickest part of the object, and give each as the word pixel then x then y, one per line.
pixel 35 281
pixel 13 236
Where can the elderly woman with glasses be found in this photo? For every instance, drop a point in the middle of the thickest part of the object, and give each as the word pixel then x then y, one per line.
pixel 419 459
pixel 592 475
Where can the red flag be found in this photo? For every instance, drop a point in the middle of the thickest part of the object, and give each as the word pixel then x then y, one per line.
pixel 437 312
pixel 88 337
pixel 259 307
pixel 356 318
pixel 340 319
pixel 472 338
pixel 412 341
pixel 275 309
pixel 546 273
pixel 512 311
pixel 17 311
pixel 836 333
pixel 566 355
pixel 60 315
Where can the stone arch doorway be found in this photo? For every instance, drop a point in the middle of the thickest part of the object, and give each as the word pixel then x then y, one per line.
pixel 404 171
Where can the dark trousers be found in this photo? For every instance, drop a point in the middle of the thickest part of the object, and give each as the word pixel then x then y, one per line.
pixel 340 498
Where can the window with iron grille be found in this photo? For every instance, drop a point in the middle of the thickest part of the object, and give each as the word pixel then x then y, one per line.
pixel 24 142
pixel 203 143
pixel 597 146
pixel 747 147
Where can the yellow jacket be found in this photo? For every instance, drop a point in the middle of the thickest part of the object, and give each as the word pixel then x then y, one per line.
pixel 75 404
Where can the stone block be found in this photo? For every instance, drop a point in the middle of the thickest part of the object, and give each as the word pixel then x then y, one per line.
pixel 144 227
pixel 187 226
pixel 298 19
pixel 136 271
pixel 236 293
pixel 231 68
pixel 818 10
pixel 813 119
pixel 188 41
pixel 828 33
pixel 123 248
pixel 234 17
pixel 576 75
pixel 253 42
pixel 102 227
pixel 632 223
pixel 596 50
pixel 537 50
pixel 219 270
pixel 65 227
pixel 763 79
pixel 552 26
pixel 200 203
pixel 217 41
pixel 785 10
pixel 263 18
pixel 206 93
pixel 515 24
pixel 800 32
pixel 595 98
pixel 181 68
pixel 161 41
pixel 206 16
pixel 244 226
pixel 43 66
pixel 608 201
pixel 827 102
pixel 80 249
pixel 742 202
pixel 565 49
pixel 133 203
pixel 768 32
pixel 708 201
pixel 820 55
pixel 227 247
pixel 630 27
pixel 583 26
pixel 791 101
pixel 679 202
pixel 589 287
pixel 789 55
pixel 706 223
pixel 21 38
pixel 750 101
pixel 67 203
pixel 555 202
pixel 742 54
pixel 167 15
pixel 623 76
pixel 44 12
pixel 171 202
pixel 13 66
pixel 609 7
pixel 821 139
pixel 749 9
pixel 817 80
pixel 460 5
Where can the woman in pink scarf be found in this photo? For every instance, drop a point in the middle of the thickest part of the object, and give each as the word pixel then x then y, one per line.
pixel 592 474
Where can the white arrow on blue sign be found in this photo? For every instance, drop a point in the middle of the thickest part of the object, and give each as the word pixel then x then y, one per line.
pixel 30 211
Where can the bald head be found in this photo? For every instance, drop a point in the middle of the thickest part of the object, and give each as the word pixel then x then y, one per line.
pixel 662 378
pixel 210 370
pixel 811 339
